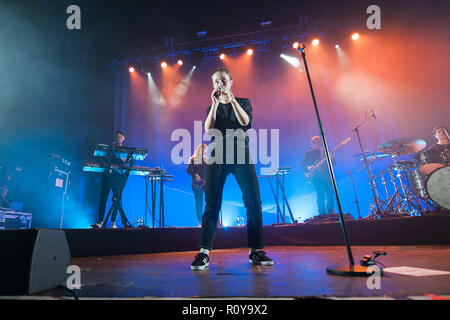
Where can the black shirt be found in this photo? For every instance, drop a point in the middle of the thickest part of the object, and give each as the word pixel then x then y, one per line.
pixel 200 169
pixel 226 118
pixel 313 156
pixel 113 158
pixel 441 152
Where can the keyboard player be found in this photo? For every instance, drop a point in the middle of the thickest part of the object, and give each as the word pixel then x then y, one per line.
pixel 111 180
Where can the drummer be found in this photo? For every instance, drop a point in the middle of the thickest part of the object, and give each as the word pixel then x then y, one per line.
pixel 442 147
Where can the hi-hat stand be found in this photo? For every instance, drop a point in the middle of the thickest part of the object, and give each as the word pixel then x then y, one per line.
pixel 403 201
pixel 351 269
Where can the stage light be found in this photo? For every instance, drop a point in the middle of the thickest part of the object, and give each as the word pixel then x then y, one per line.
pixel 180 62
pixel 194 67
pixel 131 69
pixel 315 42
pixel 249 52
pixel 355 36
pixel 266 24
pixel 295 45
pixel 202 34
pixel 222 56
pixel 293 61
pixel 336 46
pixel 163 64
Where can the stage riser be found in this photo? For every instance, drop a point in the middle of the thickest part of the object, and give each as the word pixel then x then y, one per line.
pixel 427 230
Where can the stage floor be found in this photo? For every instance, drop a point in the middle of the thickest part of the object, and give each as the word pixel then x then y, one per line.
pixel 299 271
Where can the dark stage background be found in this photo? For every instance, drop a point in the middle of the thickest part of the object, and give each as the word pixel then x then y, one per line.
pixel 59 96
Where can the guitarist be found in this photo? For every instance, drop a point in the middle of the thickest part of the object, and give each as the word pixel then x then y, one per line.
pixel 320 176
pixel 197 170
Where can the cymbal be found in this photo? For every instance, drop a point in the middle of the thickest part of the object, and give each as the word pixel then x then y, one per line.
pixel 403 165
pixel 402 146
pixel 370 155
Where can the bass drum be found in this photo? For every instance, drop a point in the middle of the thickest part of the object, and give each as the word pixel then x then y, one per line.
pixel 438 187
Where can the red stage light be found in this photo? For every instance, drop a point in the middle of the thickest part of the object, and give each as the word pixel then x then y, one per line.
pixel 315 42
pixel 249 52
pixel 355 36
pixel 180 62
pixel 131 69
pixel 163 64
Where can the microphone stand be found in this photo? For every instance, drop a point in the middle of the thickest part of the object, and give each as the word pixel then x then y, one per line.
pixel 366 164
pixel 356 197
pixel 345 270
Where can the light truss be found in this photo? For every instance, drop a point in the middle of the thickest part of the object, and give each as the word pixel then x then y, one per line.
pixel 208 48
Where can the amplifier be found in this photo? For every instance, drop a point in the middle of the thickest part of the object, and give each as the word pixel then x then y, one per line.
pixel 14 220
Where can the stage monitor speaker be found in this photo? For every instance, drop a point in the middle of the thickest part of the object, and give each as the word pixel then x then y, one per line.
pixel 32 260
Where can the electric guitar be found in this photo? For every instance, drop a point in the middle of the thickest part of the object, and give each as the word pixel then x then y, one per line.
pixel 312 170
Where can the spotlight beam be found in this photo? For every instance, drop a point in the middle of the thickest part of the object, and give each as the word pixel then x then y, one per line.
pixel 181 89
pixel 157 97
pixel 293 61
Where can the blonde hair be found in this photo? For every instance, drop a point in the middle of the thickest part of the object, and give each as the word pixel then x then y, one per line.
pixel 224 70
pixel 199 151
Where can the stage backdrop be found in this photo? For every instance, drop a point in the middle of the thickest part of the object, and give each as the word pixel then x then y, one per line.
pixel 385 71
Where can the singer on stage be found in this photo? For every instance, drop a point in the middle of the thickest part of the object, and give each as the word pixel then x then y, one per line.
pixel 228 112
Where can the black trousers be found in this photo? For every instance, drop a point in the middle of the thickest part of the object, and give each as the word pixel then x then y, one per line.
pixel 110 182
pixel 325 194
pixel 198 195
pixel 245 174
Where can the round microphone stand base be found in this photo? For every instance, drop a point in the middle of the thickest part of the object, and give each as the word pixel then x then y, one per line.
pixel 351 270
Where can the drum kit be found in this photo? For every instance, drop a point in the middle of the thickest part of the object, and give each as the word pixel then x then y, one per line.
pixel 409 187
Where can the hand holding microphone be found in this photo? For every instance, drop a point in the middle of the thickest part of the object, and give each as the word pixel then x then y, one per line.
pixel 220 91
pixel 215 96
pixel 217 92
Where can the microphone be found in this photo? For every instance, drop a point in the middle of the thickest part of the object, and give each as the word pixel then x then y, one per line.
pixel 369 113
pixel 221 90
